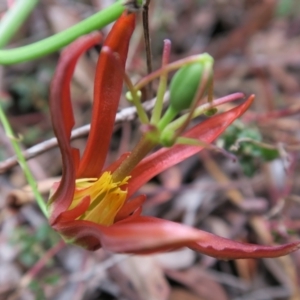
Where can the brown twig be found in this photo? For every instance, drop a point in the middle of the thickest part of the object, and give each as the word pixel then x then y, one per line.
pixel 147 43
pixel 127 114
pixel 27 278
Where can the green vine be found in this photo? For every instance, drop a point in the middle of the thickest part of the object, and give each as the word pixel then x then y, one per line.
pixel 15 143
pixel 59 40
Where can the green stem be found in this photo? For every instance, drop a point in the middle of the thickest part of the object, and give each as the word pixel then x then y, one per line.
pixel 134 96
pixel 136 100
pixel 61 39
pixel 14 18
pixel 167 118
pixel 156 115
pixel 9 132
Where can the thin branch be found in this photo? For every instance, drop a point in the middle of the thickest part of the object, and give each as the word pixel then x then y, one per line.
pixel 41 263
pixel 147 44
pixel 127 114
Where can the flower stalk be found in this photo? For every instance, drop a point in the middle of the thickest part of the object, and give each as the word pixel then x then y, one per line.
pixel 22 161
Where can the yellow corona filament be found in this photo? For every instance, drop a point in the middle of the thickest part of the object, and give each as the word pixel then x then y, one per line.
pixel 106 198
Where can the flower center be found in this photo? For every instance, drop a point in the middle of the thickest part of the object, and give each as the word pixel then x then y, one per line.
pixel 106 198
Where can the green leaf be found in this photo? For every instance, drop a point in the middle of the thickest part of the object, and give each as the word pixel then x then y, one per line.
pixel 52 279
pixel 43 232
pixel 37 290
pixel 284 7
pixel 28 258
pixel 269 154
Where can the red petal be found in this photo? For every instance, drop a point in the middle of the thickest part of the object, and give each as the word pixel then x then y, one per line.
pixel 222 248
pixel 107 92
pixel 60 101
pixel 143 235
pixel 163 159
pixel 147 234
pixel 63 121
pixel 129 207
pixel 137 234
pixel 72 214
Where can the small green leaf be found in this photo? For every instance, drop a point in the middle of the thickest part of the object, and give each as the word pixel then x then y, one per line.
pixel 52 279
pixel 167 138
pixel 28 258
pixel 249 165
pixel 43 232
pixel 250 154
pixel 284 7
pixel 269 154
pixel 37 290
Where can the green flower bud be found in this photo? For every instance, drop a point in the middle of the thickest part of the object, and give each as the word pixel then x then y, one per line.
pixel 167 138
pixel 129 96
pixel 184 86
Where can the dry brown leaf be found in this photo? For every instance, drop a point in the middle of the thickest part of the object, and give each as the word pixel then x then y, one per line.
pixel 20 197
pixel 262 13
pixel 141 278
pixel 176 260
pixel 181 294
pixel 171 178
pixel 286 80
pixel 246 268
pixel 200 283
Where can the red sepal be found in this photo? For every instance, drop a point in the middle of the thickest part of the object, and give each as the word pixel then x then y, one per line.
pixel 143 235
pixel 129 207
pixel 165 158
pixel 63 122
pixel 107 93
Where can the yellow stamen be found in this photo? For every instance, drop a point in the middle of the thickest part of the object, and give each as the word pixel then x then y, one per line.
pixel 106 198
